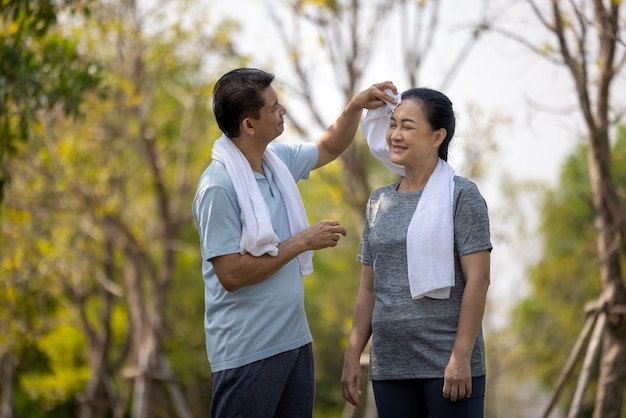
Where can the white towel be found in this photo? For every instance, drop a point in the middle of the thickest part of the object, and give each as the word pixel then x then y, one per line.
pixel 257 235
pixel 430 235
pixel 375 125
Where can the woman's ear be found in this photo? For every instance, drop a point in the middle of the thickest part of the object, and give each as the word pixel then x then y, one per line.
pixel 440 135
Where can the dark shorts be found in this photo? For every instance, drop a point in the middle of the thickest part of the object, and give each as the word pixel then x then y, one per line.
pixel 423 398
pixel 278 386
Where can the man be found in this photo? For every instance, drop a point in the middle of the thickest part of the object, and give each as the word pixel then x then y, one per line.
pixel 256 245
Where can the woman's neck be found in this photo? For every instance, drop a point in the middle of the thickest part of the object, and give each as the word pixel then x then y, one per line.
pixel 415 178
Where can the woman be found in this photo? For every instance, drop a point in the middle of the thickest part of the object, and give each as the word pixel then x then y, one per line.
pixel 425 274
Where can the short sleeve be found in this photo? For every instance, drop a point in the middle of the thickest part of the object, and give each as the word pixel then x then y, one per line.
pixel 365 256
pixel 300 159
pixel 471 220
pixel 216 207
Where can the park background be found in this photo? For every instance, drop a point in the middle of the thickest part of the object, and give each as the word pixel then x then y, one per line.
pixel 106 127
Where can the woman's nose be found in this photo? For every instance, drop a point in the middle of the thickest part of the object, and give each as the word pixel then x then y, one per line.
pixel 393 133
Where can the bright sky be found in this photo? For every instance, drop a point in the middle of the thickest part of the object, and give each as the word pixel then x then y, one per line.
pixel 499 75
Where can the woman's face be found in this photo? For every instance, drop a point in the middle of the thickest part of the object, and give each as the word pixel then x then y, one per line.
pixel 410 137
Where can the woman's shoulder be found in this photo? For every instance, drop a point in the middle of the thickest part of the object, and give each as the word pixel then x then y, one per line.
pixel 388 188
pixel 465 184
pixel 466 190
pixel 468 201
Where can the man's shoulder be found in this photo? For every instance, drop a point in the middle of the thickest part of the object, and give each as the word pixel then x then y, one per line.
pixel 300 158
pixel 287 149
pixel 215 175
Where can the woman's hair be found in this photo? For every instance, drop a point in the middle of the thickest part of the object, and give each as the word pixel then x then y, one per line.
pixel 438 111
pixel 237 95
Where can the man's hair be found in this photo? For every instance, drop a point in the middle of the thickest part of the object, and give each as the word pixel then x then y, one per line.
pixel 237 95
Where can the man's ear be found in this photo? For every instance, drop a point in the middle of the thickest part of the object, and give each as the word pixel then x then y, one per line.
pixel 247 126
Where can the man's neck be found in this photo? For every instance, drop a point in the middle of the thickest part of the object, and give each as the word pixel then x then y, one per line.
pixel 253 150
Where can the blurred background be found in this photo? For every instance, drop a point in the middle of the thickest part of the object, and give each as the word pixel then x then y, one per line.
pixel 106 126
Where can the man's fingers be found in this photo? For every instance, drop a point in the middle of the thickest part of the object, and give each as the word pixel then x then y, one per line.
pixel 381 94
pixel 335 227
pixel 342 231
pixel 386 85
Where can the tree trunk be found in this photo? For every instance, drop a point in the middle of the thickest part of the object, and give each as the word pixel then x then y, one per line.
pixel 6 385
pixel 610 393
pixel 572 35
pixel 612 378
pixel 143 384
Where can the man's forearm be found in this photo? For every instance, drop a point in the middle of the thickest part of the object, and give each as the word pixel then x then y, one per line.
pixel 237 270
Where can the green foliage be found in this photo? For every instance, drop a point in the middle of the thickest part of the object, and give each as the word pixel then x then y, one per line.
pixel 34 361
pixel 39 69
pixel 31 299
pixel 62 270
pixel 331 290
pixel 185 339
pixel 65 349
pixel 550 318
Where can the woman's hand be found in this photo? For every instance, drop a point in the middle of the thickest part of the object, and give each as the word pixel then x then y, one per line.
pixel 457 379
pixel 351 380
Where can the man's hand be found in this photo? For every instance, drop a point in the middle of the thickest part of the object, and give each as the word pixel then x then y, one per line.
pixel 340 134
pixel 321 235
pixel 374 96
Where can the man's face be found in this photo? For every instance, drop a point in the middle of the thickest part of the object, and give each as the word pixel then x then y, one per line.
pixel 271 122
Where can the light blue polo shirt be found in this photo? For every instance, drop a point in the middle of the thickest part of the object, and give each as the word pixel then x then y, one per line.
pixel 267 318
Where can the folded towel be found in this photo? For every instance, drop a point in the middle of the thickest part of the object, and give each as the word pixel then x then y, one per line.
pixel 430 235
pixel 374 126
pixel 257 235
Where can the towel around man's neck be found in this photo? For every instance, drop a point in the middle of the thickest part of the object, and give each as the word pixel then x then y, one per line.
pixel 430 235
pixel 257 235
